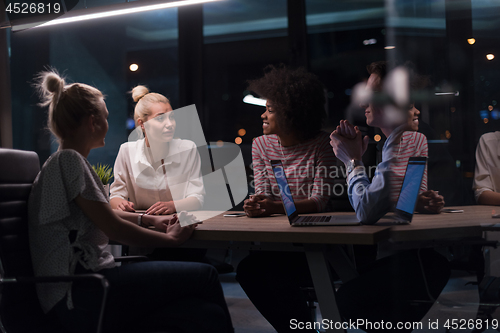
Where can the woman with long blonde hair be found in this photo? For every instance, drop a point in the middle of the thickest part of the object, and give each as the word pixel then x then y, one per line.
pixel 71 221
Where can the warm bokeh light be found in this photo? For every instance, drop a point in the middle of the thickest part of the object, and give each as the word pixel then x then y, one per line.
pixel 238 140
pixel 242 132
pixel 389 47
pixel 471 41
pixel 490 56
pixel 486 120
pixel 490 107
pixel 453 109
pixel 220 143
pixel 133 67
pixel 447 134
pixel 377 137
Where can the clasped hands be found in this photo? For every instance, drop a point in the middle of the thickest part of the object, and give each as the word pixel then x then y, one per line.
pixel 347 142
pixel 430 202
pixel 259 205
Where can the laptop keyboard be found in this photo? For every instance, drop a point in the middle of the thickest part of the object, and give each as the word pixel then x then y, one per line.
pixel 316 219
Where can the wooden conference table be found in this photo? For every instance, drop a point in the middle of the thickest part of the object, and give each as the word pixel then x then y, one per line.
pixel 322 244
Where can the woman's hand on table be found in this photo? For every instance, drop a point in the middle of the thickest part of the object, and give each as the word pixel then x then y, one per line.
pixel 126 206
pixel 259 205
pixel 430 202
pixel 162 208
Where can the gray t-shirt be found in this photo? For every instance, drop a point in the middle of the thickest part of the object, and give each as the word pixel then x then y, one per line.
pixel 53 214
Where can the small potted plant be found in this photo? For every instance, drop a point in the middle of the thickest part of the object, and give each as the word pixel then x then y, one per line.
pixel 105 173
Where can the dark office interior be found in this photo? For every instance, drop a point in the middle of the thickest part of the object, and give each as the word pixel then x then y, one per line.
pixel 204 54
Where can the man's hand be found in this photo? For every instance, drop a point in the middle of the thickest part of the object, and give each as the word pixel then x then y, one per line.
pixel 347 149
pixel 126 206
pixel 430 202
pixel 162 207
pixel 346 130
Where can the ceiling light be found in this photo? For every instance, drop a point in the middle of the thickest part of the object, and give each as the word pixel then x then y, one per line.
pixel 454 93
pixel 249 99
pixel 121 9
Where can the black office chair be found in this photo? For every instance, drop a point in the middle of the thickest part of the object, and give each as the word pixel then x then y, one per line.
pixel 20 311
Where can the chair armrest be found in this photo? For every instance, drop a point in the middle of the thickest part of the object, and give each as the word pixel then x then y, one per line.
pixel 67 278
pixel 51 279
pixel 131 258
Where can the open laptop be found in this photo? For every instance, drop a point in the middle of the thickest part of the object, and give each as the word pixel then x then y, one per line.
pixel 409 190
pixel 291 211
pixel 404 207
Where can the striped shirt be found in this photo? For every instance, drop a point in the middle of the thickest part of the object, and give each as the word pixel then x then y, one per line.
pixel 373 200
pixel 310 168
pixel 411 144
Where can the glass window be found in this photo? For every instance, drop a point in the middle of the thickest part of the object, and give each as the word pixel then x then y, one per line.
pixel 237 20
pixel 241 38
pixel 485 26
pixel 100 53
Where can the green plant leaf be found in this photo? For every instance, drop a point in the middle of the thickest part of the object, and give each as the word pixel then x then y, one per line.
pixel 104 172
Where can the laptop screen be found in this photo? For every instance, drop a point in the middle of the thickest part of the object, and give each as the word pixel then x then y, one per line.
pixel 411 184
pixel 286 195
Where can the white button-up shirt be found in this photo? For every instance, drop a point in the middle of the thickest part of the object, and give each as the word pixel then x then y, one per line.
pixel 177 177
pixel 487 172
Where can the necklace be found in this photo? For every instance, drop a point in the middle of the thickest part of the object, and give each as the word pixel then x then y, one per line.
pixel 281 148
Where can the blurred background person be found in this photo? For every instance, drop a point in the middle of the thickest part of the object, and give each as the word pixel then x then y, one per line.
pixel 486 184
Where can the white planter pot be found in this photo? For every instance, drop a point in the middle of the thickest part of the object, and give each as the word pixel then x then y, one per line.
pixel 106 190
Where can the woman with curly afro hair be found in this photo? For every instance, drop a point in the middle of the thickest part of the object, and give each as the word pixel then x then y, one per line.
pixel 292 134
pixel 291 124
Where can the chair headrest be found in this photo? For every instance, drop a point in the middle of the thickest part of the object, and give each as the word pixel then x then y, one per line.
pixel 18 166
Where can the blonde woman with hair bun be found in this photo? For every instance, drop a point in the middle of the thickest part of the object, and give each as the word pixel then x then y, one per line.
pixel 71 222
pixel 159 173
